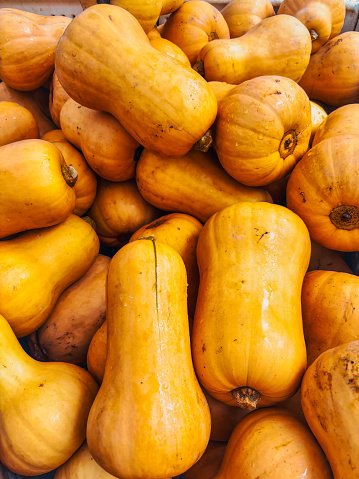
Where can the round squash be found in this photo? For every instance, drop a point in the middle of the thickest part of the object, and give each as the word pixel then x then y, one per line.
pixel 78 313
pixel 262 129
pixel 54 399
pixel 166 106
pixel 194 184
pixel 149 352
pixel 318 117
pixel 272 443
pixel 27 47
pixel 109 150
pixel 193 25
pixel 247 339
pixel 241 16
pixel 341 121
pixel 323 18
pixel 119 210
pixel 332 75
pixel 17 123
pixel 86 184
pixel 322 190
pixel 278 45
pixel 36 186
pixel 330 401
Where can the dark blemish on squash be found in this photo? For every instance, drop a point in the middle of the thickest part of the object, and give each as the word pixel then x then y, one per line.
pixel 277 81
pixel 110 18
pixel 282 445
pixel 219 350
pixel 265 233
pixel 277 92
pixel 4 366
pixel 203 348
pixel 303 196
pixel 41 385
pixel 235 339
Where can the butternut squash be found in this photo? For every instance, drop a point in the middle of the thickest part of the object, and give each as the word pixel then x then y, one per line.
pixel 318 117
pixel 57 98
pixel 43 408
pixel 169 48
pixel 180 231
pixel 166 116
pixel 247 339
pixel 17 123
pixel 109 150
pixel 241 16
pixel 77 315
pixel 118 211
pixel 271 443
pixel 330 399
pixel 36 186
pixel 96 354
pixel 195 184
pixel 148 351
pixel 27 47
pixel 262 129
pixel 278 45
pixel 86 184
pixel 38 265
pixel 341 121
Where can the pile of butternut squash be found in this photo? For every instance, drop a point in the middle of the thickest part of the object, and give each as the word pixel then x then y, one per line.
pixel 178 212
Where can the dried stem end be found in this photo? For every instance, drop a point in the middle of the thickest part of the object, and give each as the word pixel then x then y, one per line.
pixel 247 398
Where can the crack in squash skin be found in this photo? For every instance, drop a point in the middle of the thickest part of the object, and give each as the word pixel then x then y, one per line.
pixel 165 105
pixel 148 351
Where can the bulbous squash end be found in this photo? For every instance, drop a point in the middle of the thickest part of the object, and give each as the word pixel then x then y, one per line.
pixel 246 398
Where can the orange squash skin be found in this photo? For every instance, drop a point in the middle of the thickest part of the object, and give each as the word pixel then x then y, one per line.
pixel 77 315
pixel 17 123
pixel 271 443
pixel 323 191
pixel 169 48
pixel 194 184
pixel 323 18
pixel 332 73
pixel 38 265
pixel 278 45
pixel 54 398
pixel 330 302
pixel 33 101
pixel 330 403
pixel 34 192
pixel 147 342
pixel 241 16
pixel 236 242
pixel 193 25
pixel 119 210
pixel 262 129
pixel 108 148
pixel 325 259
pixel 57 98
pixel 27 47
pixel 86 184
pixel 96 354
pixel 318 117
pixel 341 121
pixel 208 465
pixel 188 105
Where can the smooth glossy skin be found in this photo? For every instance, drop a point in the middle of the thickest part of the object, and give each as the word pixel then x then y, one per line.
pixel 33 189
pixel 262 129
pixel 160 420
pixel 27 47
pixel 330 401
pixel 343 120
pixel 17 123
pixel 247 329
pixel 271 443
pixel 43 408
pixel 195 184
pixel 77 315
pixel 278 45
pixel 330 302
pixel 86 184
pixel 332 75
pixel 38 265
pixel 164 105
pixel 323 18
pixel 193 25
pixel 324 179
pixel 241 16
pixel 169 48
pixel 104 142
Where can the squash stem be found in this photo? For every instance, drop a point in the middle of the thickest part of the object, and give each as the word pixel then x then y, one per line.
pixel 70 174
pixel 345 217
pixel 247 398
pixel 90 221
pixel 199 67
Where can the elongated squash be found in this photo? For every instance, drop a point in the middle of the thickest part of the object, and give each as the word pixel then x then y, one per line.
pixel 160 420
pixel 247 338
pixel 38 265
pixel 166 106
pixel 43 408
